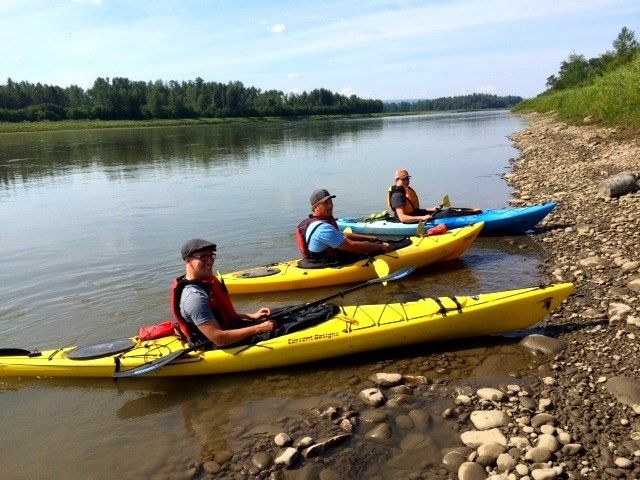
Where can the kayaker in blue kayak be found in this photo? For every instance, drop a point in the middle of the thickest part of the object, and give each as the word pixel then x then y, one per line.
pixel 403 201
pixel 201 304
pixel 322 244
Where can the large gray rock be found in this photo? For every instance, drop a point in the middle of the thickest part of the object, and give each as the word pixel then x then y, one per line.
pixel 372 396
pixel 625 389
pixel 471 471
pixel 453 460
pixel 591 262
pixel 475 438
pixel 491 450
pixel 287 457
pixel 634 284
pixel 544 344
pixel 542 419
pixel 538 455
pixel 379 432
pixel 369 417
pixel 544 474
pixel 505 462
pixel 486 419
pixel 618 309
pixel 262 460
pixel 618 185
pixel 282 440
pixel 492 394
pixel 386 379
pixel 549 442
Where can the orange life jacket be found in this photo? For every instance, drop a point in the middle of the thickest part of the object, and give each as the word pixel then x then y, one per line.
pixel 412 202
pixel 301 237
pixel 219 302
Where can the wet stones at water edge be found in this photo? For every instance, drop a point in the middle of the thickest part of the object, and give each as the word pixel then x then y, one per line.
pixel 505 432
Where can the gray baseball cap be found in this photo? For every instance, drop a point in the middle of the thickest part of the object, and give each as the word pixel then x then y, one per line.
pixel 319 196
pixel 196 245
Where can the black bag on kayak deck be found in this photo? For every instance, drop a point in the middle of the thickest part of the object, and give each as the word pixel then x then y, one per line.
pixel 449 212
pixel 297 320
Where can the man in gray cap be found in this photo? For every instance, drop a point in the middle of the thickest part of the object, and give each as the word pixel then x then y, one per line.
pixel 201 304
pixel 320 241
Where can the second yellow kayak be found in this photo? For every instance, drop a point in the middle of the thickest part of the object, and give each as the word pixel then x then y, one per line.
pixel 288 276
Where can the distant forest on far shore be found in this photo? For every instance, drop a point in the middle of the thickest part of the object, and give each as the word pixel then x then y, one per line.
pixel 123 99
pixel 474 101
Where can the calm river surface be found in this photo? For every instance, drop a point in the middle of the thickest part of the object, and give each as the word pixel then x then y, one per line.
pixel 91 223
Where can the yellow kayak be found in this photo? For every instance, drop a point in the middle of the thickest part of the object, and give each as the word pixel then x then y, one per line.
pixel 288 276
pixel 353 329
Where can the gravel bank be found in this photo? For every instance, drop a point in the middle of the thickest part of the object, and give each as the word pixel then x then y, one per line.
pixel 595 243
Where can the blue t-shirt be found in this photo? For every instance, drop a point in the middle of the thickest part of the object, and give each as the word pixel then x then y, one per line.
pixel 194 305
pixel 323 236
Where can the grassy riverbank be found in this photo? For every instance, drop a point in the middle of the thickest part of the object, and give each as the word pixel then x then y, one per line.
pixel 613 99
pixel 9 127
pixel 46 125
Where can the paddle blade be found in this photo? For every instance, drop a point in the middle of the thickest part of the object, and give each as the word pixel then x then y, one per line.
pixel 382 268
pixel 152 366
pixel 347 231
pixel 446 203
pixel 420 229
pixel 397 275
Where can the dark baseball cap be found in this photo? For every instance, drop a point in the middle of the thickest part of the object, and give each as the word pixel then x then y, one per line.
pixel 196 245
pixel 320 195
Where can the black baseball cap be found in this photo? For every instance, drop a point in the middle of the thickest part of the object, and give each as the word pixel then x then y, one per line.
pixel 196 245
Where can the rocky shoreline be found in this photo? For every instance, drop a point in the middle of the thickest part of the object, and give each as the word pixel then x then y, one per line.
pixel 573 412
pixel 595 243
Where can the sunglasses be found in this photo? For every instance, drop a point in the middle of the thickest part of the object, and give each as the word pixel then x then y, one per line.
pixel 205 256
pixel 404 179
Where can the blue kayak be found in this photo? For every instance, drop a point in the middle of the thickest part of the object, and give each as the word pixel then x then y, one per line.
pixel 500 221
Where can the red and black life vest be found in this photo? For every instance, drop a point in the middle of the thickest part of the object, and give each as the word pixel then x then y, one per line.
pixel 219 302
pixel 411 198
pixel 301 237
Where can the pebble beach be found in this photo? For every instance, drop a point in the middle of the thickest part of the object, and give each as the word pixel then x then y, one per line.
pixel 572 413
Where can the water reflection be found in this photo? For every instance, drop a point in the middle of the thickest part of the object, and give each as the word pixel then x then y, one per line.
pixel 125 154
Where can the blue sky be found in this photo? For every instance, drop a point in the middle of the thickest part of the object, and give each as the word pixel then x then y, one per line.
pixel 387 49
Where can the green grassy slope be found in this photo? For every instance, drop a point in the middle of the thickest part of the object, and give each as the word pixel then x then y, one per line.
pixel 614 99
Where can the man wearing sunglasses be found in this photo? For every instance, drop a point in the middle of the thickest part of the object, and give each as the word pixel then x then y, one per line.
pixel 403 201
pixel 202 307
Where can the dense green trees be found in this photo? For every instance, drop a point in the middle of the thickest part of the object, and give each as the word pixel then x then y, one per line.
pixel 122 99
pixel 475 101
pixel 578 71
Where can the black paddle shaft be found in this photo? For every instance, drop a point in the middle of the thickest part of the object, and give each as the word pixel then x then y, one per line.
pixel 397 275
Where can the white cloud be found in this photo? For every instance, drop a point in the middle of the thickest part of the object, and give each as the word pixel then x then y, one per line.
pixel 291 76
pixel 277 28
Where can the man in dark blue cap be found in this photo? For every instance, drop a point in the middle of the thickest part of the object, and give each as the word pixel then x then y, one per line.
pixel 201 304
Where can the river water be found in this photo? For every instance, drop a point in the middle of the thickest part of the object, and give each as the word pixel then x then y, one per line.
pixel 91 223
